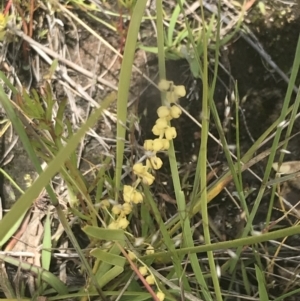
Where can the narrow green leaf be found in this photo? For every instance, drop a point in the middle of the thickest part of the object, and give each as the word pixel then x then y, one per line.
pixel 109 258
pixel 263 294
pixel 104 234
pixel 172 24
pixel 124 83
pixel 110 275
pixel 104 266
pixel 245 278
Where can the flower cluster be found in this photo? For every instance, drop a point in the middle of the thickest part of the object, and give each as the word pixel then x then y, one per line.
pixel 164 133
pixel 147 273
pixel 151 281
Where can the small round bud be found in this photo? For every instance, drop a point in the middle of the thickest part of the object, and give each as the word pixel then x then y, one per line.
pixel 170 133
pixel 180 91
pixel 148 179
pixel 150 250
pixel 158 145
pixel 113 225
pixel 171 97
pixel 150 280
pixel 126 208
pixel 143 270
pixel 123 223
pixel 156 131
pixel 127 193
pixel 155 162
pixel 166 144
pixel 131 255
pixel 139 169
pixel 137 197
pixel 164 85
pixel 175 112
pixel 104 204
pixel 163 112
pixel 161 123
pixel 160 296
pixel 148 145
pixel 116 209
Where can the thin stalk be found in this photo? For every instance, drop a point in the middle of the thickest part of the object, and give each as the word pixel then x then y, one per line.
pixel 185 225
pixel 160 40
pixel 203 158
pixel 123 87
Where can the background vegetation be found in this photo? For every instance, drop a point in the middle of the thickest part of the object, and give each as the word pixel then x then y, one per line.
pixel 149 150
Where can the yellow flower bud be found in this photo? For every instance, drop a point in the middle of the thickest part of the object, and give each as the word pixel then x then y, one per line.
pixel 139 169
pixel 164 85
pixel 137 197
pixel 148 179
pixel 161 123
pixel 131 255
pixel 158 145
pixel 171 97
pixel 116 209
pixel 126 208
pixel 127 193
pixel 150 280
pixel 149 250
pixel 160 296
pixel 175 112
pixel 143 270
pixel 156 131
pixel 170 133
pixel 113 225
pixel 163 112
pixel 166 144
pixel 148 145
pixel 155 162
pixel 104 204
pixel 180 91
pixel 123 223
